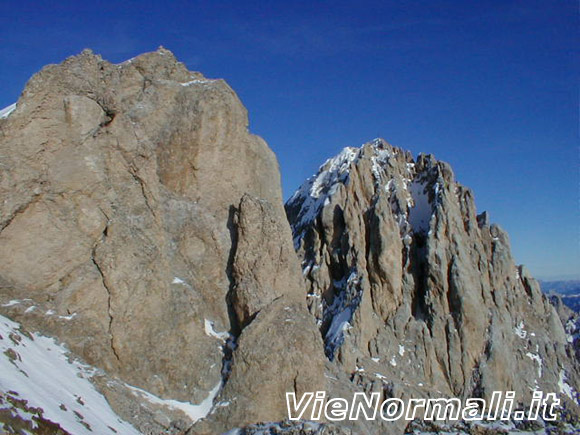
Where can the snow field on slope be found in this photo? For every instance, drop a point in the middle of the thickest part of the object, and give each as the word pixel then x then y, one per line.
pixel 38 369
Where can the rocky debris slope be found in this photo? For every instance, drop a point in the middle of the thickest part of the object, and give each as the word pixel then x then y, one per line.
pixel 414 293
pixel 134 205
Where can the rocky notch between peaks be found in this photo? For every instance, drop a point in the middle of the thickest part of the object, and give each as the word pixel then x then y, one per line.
pixel 142 225
pixel 414 293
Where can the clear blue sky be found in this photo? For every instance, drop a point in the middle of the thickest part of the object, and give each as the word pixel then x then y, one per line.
pixel 489 86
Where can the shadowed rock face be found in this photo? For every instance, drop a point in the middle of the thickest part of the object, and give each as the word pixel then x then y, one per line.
pixel 123 225
pixel 413 292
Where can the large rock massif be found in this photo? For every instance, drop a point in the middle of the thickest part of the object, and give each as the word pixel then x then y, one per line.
pixel 142 225
pixel 416 295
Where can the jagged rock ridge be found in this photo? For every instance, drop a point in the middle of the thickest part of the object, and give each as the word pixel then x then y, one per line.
pixel 413 292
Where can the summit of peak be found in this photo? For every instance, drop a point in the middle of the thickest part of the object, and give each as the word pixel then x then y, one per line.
pixel 162 50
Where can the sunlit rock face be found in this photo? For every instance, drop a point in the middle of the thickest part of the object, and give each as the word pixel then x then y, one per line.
pixel 413 292
pixel 126 190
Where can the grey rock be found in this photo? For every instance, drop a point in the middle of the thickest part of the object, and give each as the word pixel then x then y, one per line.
pixel 119 187
pixel 414 291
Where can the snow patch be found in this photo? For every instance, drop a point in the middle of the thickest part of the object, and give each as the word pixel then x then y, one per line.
pixel 538 359
pixel 572 330
pixel 566 389
pixel 335 167
pixel 421 210
pixel 197 81
pixel 520 331
pixel 194 412
pixel 38 369
pixel 179 281
pixel 5 113
pixel 313 194
pixel 341 312
pixel 379 160
pixel 208 327
pixel 340 323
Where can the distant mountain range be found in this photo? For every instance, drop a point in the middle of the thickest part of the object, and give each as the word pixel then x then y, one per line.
pixel 569 291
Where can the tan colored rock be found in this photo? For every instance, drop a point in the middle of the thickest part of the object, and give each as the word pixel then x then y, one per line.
pixel 278 333
pixel 405 280
pixel 265 266
pixel 119 186
pixel 279 352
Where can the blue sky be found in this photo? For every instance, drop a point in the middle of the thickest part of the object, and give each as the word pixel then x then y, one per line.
pixel 489 86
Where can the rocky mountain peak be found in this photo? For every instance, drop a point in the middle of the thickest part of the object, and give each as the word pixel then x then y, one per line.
pixel 406 280
pixel 136 207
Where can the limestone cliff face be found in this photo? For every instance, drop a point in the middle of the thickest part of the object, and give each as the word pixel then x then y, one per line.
pixel 134 202
pixel 413 292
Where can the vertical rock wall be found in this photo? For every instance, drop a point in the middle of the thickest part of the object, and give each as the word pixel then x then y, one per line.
pixel 121 213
